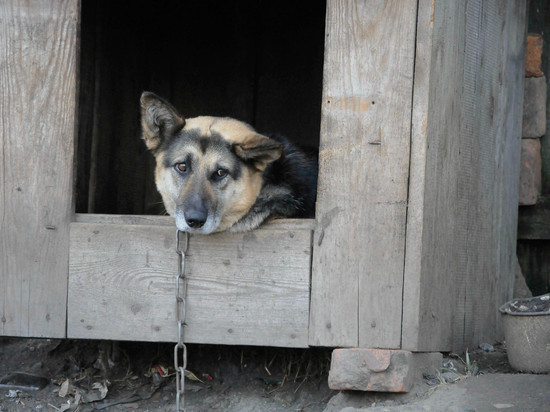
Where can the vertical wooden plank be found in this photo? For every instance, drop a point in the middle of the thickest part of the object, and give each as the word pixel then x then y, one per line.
pixel 38 44
pixel 364 163
pixel 501 97
pixel 464 172
pixel 431 251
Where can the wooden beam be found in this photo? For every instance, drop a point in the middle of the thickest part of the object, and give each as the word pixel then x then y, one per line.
pixel 38 58
pixel 274 224
pixel 462 217
pixel 250 288
pixel 359 241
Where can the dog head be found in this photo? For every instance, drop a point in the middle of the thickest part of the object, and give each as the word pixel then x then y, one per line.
pixel 208 169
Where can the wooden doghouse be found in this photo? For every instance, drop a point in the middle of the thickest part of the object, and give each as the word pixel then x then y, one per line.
pixel 418 105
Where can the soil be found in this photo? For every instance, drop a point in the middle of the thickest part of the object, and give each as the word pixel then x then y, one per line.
pixel 221 378
pixel 126 376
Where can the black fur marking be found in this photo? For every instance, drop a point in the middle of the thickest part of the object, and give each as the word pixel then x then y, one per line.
pixel 174 147
pixel 297 171
pixel 204 142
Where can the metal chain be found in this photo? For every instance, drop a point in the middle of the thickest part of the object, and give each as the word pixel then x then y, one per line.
pixel 181 301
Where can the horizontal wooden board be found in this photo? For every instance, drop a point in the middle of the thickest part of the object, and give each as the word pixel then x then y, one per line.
pixel 276 224
pixel 250 288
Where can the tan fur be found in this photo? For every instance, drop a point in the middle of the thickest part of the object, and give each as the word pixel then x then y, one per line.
pixel 238 200
pixel 232 130
pixel 162 180
pixel 249 187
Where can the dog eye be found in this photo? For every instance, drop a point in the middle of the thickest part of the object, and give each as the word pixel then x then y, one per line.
pixel 181 167
pixel 220 174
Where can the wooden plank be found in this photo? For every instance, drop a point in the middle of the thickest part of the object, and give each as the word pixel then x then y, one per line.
pixel 364 163
pixel 276 224
pixel 250 288
pixel 38 45
pixel 462 214
pixel 534 221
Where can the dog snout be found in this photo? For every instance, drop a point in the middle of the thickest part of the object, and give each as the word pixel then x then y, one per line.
pixel 196 214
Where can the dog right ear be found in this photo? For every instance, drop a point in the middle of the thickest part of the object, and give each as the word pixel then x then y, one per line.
pixel 159 120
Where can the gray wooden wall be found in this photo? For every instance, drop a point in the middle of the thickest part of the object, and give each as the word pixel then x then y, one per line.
pixel 38 43
pixel 415 232
pixel 461 227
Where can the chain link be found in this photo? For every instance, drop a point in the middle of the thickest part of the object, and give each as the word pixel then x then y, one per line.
pixel 181 312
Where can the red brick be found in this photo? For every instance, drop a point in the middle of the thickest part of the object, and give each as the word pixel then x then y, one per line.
pixel 380 370
pixel 530 172
pixel 533 57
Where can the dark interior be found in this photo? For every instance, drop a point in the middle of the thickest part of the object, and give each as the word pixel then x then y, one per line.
pixel 257 61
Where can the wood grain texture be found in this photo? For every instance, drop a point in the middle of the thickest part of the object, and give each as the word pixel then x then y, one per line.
pixel 462 216
pixel 38 44
pixel 274 224
pixel 364 161
pixel 250 288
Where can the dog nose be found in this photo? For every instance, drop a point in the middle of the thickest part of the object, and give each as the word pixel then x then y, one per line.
pixel 196 218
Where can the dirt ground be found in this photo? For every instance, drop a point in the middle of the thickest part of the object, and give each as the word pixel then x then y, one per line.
pixel 126 376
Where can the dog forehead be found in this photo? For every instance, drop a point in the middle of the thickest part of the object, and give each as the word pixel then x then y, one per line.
pixel 191 144
pixel 231 130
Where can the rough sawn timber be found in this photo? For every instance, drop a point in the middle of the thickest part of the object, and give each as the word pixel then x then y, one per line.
pixel 38 52
pixel 357 280
pixel 463 194
pixel 247 289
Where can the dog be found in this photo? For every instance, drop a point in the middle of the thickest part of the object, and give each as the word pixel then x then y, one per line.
pixel 218 174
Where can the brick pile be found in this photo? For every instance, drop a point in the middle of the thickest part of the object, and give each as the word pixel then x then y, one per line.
pixel 534 123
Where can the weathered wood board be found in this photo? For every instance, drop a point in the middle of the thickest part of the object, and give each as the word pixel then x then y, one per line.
pixel 38 44
pixel 247 289
pixel 359 241
pixel 461 225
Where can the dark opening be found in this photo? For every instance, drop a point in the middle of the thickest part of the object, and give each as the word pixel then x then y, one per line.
pixel 257 61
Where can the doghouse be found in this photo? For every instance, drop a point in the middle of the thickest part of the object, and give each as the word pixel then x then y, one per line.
pixel 418 105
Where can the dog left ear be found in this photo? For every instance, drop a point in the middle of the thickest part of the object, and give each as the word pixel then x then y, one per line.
pixel 159 120
pixel 259 150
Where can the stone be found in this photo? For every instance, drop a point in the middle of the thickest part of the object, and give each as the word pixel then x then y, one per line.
pixel 530 172
pixel 534 107
pixel 533 58
pixel 381 370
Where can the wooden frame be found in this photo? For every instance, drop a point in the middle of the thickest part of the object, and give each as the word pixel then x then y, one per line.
pixel 413 243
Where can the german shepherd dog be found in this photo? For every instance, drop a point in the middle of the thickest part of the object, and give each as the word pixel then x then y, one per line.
pixel 218 173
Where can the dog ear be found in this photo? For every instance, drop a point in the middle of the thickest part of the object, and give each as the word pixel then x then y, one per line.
pixel 258 150
pixel 159 120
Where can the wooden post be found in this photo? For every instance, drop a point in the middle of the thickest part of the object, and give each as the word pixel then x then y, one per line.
pixel 364 164
pixel 38 44
pixel 463 195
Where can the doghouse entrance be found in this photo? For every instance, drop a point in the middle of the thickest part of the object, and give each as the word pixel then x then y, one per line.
pixel 261 62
